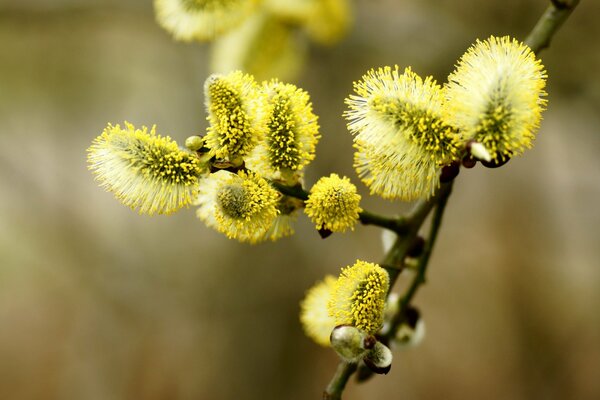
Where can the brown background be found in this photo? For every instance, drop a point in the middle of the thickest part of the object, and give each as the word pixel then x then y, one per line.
pixel 98 303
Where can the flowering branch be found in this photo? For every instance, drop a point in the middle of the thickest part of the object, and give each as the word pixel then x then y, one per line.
pixel 410 134
pixel 538 39
pixel 394 263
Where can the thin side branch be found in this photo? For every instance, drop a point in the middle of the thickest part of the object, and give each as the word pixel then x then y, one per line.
pixel 419 278
pixel 394 262
pixel 396 224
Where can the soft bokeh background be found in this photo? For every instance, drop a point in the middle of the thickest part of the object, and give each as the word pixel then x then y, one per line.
pixel 97 302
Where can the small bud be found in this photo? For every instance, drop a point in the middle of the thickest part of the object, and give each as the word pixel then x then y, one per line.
pixel 479 151
pixel 449 172
pixel 194 143
pixel 391 308
pixel 469 162
pixel 379 359
pixel 416 248
pixel 412 331
pixel 495 163
pixel 324 233
pixel 351 343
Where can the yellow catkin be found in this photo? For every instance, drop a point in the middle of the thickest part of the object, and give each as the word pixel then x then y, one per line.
pixel 400 133
pixel 242 206
pixel 495 96
pixel 314 314
pixel 292 133
pixel 201 20
pixel 264 46
pixel 358 297
pixel 237 114
pixel 144 170
pixel 333 204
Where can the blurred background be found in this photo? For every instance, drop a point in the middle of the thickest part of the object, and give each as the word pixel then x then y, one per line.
pixel 99 303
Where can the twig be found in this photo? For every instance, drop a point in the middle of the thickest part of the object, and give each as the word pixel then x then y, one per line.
pixel 557 12
pixel 419 278
pixel 394 259
pixel 336 386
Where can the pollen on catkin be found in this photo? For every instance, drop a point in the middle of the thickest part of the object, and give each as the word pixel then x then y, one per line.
pixel 202 20
pixel 333 204
pixel 358 296
pixel 495 96
pixel 237 114
pixel 144 170
pixel 243 206
pixel 292 133
pixel 401 138
pixel 314 314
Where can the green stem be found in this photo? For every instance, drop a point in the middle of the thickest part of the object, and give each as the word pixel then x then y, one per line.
pixel 293 191
pixel 396 255
pixel 394 259
pixel 397 224
pixel 419 278
pixel 338 383
pixel 555 15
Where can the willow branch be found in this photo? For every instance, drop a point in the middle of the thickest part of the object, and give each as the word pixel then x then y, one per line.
pixel 555 15
pixel 393 263
pixel 292 191
pixel 420 276
pixel 537 40
pixel 338 383
pixel 396 255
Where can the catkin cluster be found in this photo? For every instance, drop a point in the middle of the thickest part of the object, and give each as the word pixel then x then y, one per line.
pixel 260 137
pixel 407 129
pixel 258 134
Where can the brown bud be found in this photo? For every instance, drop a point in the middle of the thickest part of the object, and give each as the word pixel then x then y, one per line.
pixel 494 163
pixel 449 172
pixel 469 162
pixel 324 233
pixel 416 247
